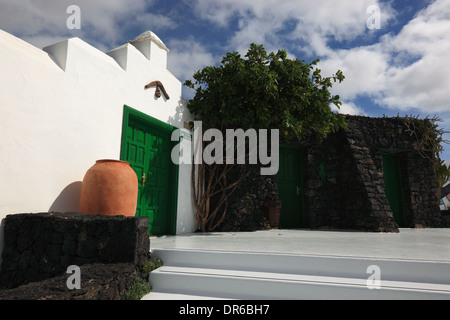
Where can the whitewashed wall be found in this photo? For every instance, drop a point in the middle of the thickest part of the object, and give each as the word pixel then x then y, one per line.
pixel 61 109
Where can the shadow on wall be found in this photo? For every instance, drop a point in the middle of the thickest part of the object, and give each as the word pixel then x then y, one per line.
pixel 181 115
pixel 68 200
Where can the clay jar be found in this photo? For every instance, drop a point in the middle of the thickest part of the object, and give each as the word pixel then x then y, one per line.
pixel 272 210
pixel 110 187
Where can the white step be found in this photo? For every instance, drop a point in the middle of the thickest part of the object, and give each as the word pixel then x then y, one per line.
pixel 250 285
pixel 176 296
pixel 335 266
pixel 195 275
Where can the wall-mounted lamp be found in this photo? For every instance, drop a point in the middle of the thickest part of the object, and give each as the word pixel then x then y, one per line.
pixel 159 88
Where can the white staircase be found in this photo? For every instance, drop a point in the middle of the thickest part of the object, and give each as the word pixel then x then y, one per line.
pixel 194 275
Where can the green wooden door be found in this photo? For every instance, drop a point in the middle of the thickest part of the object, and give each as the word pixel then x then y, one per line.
pixel 393 186
pixel 147 147
pixel 290 187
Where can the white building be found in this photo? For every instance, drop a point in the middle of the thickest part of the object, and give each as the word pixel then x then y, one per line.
pixel 69 104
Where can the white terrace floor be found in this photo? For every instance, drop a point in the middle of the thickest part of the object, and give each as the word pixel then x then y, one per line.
pixel 301 264
pixel 415 244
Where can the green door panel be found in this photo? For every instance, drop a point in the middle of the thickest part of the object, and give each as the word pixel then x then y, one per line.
pixel 146 145
pixel 290 187
pixel 393 186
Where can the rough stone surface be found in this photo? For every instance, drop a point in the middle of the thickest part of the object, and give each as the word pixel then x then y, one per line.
pixel 98 282
pixel 344 182
pixel 445 218
pixel 246 204
pixel 350 194
pixel 41 246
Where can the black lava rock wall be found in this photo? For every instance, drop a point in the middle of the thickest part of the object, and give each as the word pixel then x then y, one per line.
pixel 41 246
pixel 344 180
pixel 344 184
pixel 246 204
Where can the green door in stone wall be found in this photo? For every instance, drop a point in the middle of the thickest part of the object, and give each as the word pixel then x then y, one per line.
pixel 393 186
pixel 290 187
pixel 147 145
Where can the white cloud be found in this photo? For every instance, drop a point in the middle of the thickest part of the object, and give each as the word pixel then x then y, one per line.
pixel 154 22
pixel 104 23
pixel 185 58
pixel 348 108
pixel 424 83
pixel 315 22
pixel 365 70
pixel 409 71
pixel 188 56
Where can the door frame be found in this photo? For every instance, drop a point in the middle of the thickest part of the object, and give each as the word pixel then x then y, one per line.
pixel 173 168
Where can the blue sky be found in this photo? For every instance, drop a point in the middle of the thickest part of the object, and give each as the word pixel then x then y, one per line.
pixel 402 67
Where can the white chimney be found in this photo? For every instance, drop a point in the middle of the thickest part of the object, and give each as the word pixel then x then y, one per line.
pixel 151 46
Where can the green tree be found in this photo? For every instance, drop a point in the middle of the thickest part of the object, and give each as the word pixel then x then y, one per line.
pixel 260 91
pixel 268 91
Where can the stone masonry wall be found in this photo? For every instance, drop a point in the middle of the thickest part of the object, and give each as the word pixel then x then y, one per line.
pixel 99 281
pixel 41 246
pixel 344 182
pixel 336 195
pixel 246 204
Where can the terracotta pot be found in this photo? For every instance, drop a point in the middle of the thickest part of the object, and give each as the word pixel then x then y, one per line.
pixel 109 187
pixel 272 211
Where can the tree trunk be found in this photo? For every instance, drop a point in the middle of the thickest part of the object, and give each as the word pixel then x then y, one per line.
pixel 209 181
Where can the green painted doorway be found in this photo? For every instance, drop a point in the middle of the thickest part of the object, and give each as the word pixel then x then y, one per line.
pixel 290 187
pixel 147 145
pixel 393 186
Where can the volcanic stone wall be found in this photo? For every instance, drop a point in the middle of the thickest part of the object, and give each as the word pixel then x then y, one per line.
pixel 44 245
pixel 344 184
pixel 344 180
pixel 99 281
pixel 246 204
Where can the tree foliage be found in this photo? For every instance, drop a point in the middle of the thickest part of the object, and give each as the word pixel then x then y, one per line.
pixel 266 91
pixel 429 141
pixel 428 136
pixel 260 91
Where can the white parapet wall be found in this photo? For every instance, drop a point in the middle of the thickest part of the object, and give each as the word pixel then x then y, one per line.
pixel 62 109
